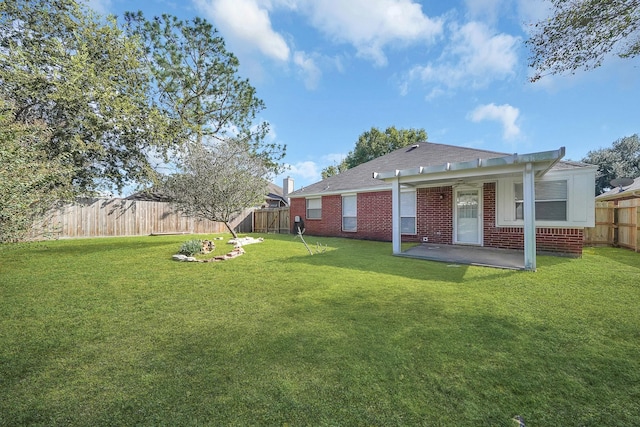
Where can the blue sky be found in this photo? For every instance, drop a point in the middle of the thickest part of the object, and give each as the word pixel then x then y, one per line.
pixel 329 70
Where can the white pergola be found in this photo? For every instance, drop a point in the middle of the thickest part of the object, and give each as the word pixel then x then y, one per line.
pixel 530 166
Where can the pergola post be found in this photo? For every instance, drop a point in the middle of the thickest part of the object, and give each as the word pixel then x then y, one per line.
pixel 396 236
pixel 529 211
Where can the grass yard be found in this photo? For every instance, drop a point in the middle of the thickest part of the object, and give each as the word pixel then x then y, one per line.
pixel 109 332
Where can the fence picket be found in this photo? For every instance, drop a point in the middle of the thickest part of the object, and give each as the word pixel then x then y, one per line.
pixel 121 217
pixel 616 225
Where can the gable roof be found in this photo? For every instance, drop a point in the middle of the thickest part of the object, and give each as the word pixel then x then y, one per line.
pixel 276 193
pixel 425 154
pixel 621 192
pixel 275 190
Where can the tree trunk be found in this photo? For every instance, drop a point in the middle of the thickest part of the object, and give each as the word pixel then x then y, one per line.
pixel 233 233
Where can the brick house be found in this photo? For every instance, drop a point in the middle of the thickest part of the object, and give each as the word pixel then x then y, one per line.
pixel 456 196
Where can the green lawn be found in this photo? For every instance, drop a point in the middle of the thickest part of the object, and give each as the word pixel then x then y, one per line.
pixel 113 332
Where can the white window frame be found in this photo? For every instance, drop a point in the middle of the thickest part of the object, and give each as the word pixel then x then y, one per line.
pixel 350 203
pixel 408 211
pixel 543 197
pixel 317 202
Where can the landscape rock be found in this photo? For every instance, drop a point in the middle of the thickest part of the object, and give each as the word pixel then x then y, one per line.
pixel 237 251
pixel 207 246
pixel 241 241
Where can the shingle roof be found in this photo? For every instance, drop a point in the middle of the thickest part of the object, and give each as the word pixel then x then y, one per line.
pixel 275 189
pixel 149 195
pixel 423 154
pixel 620 192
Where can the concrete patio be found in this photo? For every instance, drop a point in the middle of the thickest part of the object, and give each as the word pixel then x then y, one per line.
pixel 468 255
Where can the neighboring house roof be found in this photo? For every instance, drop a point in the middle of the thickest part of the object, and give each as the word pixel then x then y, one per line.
pixel 632 190
pixel 149 196
pixel 276 193
pixel 275 190
pixel 425 154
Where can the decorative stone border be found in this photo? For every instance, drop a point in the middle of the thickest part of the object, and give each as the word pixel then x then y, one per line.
pixel 208 246
pixel 236 252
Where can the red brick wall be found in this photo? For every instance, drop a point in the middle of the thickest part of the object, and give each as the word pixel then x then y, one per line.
pixel 434 220
pixel 297 207
pixel 435 214
pixel 330 224
pixel 374 216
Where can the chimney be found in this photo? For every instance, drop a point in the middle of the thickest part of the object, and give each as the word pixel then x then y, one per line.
pixel 287 188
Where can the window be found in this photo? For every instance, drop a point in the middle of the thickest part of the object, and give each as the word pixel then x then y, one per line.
pixel 551 200
pixel 349 213
pixel 408 212
pixel 314 208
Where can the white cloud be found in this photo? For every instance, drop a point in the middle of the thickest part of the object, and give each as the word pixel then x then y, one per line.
pixel 531 12
pixel 309 69
pixel 486 10
pixel 100 6
pixel 333 158
pixel 436 92
pixel 307 172
pixel 475 56
pixel 372 25
pixel 506 114
pixel 248 24
pixel 303 173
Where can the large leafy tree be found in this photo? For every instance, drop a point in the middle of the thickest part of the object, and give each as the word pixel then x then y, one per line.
pixel 198 85
pixel 581 33
pixel 334 169
pixel 375 143
pixel 218 181
pixel 621 160
pixel 31 181
pixel 83 78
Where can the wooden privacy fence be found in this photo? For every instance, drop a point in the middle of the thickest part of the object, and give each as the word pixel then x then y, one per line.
pixel 121 217
pixel 271 220
pixel 616 225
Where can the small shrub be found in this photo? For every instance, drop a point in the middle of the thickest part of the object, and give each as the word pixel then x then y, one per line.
pixel 191 247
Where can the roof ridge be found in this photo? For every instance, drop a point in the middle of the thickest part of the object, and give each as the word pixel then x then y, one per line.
pixel 468 148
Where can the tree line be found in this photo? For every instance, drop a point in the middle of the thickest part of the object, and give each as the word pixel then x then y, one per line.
pixel 88 102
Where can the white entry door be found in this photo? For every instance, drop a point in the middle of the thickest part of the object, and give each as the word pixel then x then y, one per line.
pixel 468 216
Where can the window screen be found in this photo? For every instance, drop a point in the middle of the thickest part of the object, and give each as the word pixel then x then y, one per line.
pixel 408 212
pixel 551 200
pixel 349 213
pixel 314 208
